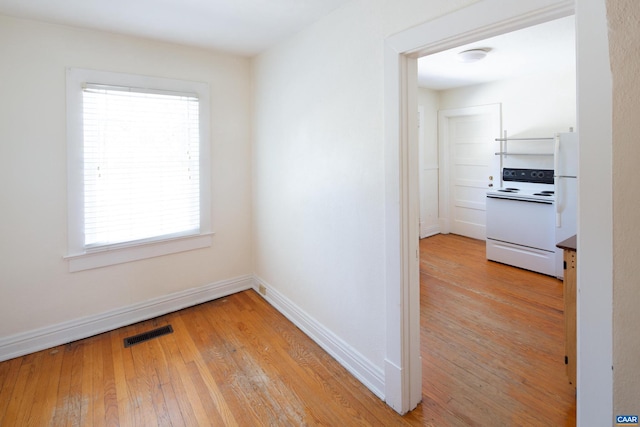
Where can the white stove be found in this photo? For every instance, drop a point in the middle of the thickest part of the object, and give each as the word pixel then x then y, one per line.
pixel 521 220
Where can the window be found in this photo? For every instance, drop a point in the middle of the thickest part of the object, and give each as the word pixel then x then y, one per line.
pixel 138 167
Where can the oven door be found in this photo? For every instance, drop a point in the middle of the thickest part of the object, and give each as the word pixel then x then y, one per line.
pixel 521 233
pixel 521 222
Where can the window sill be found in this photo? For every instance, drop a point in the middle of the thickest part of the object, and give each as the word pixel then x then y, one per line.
pixel 120 255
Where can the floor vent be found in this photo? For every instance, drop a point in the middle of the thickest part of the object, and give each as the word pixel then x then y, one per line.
pixel 146 336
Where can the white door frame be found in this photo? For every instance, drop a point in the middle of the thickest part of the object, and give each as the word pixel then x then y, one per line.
pixel 480 20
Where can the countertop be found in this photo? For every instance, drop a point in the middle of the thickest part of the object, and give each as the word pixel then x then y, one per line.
pixel 570 244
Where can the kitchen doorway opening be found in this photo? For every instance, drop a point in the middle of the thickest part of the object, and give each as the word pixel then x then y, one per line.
pixel 465 157
pixel 476 22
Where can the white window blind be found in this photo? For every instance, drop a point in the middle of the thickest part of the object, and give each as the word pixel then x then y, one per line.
pixel 141 165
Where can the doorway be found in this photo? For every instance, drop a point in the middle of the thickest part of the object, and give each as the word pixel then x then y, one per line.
pixel 476 22
pixel 480 20
pixel 467 133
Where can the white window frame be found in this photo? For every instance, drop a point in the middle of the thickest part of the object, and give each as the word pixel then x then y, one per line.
pixel 81 258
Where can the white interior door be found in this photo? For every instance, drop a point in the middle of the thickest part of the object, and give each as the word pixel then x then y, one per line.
pixel 467 139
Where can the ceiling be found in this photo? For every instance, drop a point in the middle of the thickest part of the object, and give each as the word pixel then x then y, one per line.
pixel 544 48
pixel 244 27
pixel 248 27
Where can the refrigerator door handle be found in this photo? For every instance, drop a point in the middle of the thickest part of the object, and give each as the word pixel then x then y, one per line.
pixel 556 153
pixel 558 199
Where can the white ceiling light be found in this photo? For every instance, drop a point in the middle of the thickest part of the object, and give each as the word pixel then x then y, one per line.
pixel 472 55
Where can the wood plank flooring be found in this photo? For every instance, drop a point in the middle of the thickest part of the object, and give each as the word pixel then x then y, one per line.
pixel 235 361
pixel 492 356
pixel 492 341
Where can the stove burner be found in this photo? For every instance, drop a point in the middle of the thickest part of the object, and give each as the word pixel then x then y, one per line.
pixel 548 192
pixel 544 193
pixel 509 190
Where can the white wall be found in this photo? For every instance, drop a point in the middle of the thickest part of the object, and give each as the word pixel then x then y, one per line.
pixel 624 42
pixel 532 106
pixel 429 168
pixel 595 222
pixel 319 189
pixel 36 289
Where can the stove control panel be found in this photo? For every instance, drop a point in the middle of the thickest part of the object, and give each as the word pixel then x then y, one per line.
pixel 538 176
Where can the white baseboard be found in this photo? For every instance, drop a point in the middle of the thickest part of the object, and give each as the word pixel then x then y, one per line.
pixel 29 342
pixel 62 333
pixel 427 231
pixel 393 377
pixel 359 366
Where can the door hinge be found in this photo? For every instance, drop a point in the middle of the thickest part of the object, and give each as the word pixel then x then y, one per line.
pixel 564 265
pixel 566 360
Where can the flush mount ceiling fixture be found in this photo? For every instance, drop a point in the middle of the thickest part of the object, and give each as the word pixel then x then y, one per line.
pixel 473 55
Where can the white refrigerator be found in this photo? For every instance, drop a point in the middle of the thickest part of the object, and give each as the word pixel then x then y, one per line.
pixel 566 191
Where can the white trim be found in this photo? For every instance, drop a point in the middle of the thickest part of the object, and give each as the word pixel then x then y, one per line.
pixel 476 22
pixel 128 251
pixel 595 326
pixel 394 377
pixel 62 333
pixel 112 256
pixel 403 382
pixel 359 366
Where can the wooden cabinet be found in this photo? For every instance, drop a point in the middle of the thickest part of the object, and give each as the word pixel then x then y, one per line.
pixel 570 288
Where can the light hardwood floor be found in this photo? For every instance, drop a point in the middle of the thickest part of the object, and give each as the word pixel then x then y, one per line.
pixel 492 341
pixel 492 356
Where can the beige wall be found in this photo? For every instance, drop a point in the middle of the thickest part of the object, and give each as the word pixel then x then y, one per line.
pixel 624 45
pixel 36 288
